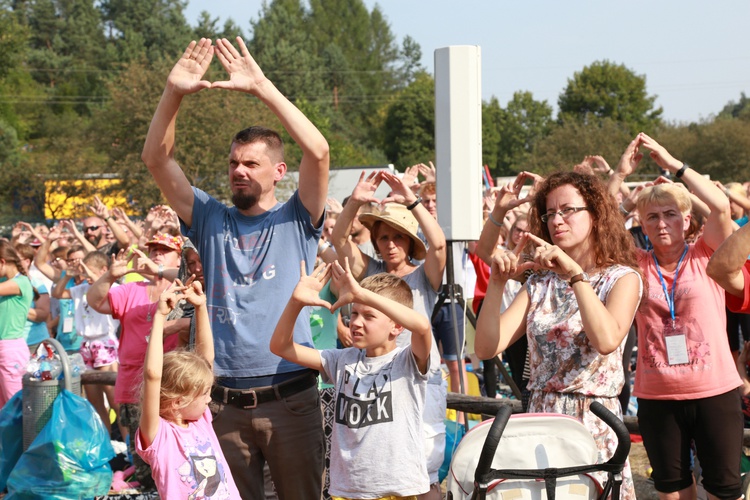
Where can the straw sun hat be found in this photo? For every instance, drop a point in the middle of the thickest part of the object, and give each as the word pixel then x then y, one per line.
pixel 401 219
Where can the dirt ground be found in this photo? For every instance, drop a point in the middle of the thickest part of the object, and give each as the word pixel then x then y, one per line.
pixel 644 489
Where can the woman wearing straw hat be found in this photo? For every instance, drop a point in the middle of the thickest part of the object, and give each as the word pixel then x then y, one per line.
pixel 393 230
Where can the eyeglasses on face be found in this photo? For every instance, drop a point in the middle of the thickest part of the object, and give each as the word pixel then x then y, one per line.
pixel 91 228
pixel 565 213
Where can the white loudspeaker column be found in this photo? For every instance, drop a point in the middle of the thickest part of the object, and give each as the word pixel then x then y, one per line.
pixel 458 141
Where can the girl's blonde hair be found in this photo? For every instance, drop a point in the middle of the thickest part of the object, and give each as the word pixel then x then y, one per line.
pixel 185 376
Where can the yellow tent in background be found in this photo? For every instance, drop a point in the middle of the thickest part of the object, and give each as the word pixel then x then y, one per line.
pixel 70 199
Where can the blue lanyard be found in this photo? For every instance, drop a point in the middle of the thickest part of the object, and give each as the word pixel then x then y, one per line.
pixel 669 296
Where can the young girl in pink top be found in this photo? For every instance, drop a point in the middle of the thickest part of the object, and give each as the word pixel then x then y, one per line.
pixel 175 435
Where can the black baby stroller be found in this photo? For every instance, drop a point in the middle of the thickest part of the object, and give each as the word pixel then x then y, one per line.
pixel 540 455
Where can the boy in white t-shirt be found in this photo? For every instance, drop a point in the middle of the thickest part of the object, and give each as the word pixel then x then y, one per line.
pixel 377 446
pixel 99 331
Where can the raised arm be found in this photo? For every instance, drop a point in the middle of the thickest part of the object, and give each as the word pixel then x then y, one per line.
pixel 434 262
pixel 204 341
pixel 306 293
pixel 246 76
pixel 158 151
pixel 496 330
pixel 59 289
pixel 605 326
pixel 71 227
pixel 120 215
pixel 101 211
pixel 627 165
pixel 346 249
pixel 42 255
pixel 719 222
pixel 406 317
pixel 152 369
pixel 726 264
pixel 97 294
pixel 507 199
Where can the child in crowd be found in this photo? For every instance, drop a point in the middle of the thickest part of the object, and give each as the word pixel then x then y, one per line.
pixel 380 389
pixel 16 295
pixel 175 435
pixel 98 331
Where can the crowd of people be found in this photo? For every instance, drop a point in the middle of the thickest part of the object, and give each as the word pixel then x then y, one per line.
pixel 218 334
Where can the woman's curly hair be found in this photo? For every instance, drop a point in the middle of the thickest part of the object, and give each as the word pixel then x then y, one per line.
pixel 611 241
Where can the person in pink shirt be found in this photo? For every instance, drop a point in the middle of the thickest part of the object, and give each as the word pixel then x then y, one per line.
pixel 175 435
pixel 686 381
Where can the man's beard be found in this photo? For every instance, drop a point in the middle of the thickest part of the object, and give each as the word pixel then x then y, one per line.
pixel 244 201
pixel 94 240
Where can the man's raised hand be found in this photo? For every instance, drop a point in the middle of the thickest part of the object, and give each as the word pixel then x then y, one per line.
pixel 244 73
pixel 186 76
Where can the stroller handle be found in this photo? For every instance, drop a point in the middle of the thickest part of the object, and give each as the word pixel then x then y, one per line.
pixel 501 420
pixel 617 425
pixel 490 444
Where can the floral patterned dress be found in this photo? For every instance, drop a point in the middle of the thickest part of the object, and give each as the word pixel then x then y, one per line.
pixel 567 373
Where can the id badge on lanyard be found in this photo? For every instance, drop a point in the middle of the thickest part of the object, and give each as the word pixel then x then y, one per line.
pixel 675 340
pixel 675 333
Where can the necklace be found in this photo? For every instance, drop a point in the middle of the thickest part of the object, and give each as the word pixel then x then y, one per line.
pixel 150 304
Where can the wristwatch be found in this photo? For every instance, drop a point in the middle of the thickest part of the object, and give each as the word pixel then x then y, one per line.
pixel 579 277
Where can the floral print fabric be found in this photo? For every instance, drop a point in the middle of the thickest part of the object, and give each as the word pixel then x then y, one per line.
pixel 567 373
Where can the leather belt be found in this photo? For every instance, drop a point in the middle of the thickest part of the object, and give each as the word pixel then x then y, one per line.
pixel 250 398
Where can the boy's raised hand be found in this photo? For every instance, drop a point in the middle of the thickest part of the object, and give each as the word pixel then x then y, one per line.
pixel 307 291
pixel 347 285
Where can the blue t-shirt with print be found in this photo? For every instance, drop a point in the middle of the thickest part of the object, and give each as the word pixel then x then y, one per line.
pixel 251 266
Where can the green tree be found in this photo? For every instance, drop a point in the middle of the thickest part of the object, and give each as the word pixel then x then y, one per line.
pixel 509 134
pixel 155 29
pixel 718 148
pixel 409 128
pixel 567 144
pixel 608 90
pixel 208 27
pixel 205 126
pixel 284 47
pixel 492 118
pixel 740 109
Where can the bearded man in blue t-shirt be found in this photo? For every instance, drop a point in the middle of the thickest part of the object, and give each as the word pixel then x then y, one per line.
pixel 265 409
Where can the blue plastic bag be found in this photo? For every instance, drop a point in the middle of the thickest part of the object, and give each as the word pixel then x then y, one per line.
pixel 68 459
pixel 454 432
pixel 11 436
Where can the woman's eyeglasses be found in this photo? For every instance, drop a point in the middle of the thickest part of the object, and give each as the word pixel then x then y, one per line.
pixel 564 213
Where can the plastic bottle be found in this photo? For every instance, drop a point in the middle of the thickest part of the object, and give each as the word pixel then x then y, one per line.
pixel 45 370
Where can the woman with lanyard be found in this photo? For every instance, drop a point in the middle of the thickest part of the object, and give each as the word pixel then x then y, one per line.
pixel 686 382
pixel 16 295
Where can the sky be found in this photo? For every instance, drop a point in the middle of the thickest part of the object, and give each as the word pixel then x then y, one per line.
pixel 694 54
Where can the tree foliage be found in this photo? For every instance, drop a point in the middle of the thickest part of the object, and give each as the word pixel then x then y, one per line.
pixel 608 90
pixel 510 133
pixel 410 124
pixel 80 79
